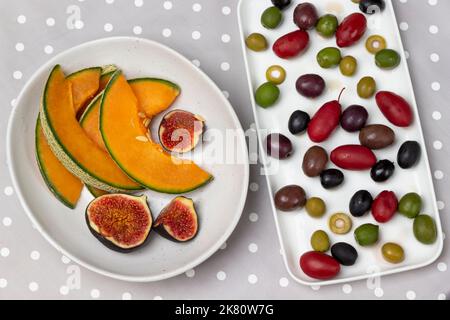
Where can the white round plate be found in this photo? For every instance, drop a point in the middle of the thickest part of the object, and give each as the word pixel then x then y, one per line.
pixel 219 204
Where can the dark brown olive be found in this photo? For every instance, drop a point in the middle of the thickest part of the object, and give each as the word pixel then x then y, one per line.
pixel 290 198
pixel 382 170
pixel 278 146
pixel 314 161
pixel 409 154
pixel 360 203
pixel 298 122
pixel 376 136
pixel 331 178
pixel 310 85
pixel 354 118
pixel 344 253
pixel 305 16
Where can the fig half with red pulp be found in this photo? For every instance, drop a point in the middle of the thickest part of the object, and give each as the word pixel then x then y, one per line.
pixel 180 131
pixel 121 222
pixel 178 220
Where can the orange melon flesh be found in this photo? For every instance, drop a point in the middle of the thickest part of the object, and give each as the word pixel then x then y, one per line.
pixel 90 121
pixel 85 84
pixel 154 95
pixel 64 185
pixel 72 145
pixel 147 92
pixel 144 161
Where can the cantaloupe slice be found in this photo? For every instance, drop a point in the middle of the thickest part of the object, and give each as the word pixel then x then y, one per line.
pixel 149 97
pixel 89 121
pixel 143 160
pixel 85 84
pixel 71 145
pixel 63 184
pixel 154 95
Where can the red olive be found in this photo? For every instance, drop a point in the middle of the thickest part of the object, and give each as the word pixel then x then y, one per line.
pixel 395 108
pixel 291 44
pixel 384 206
pixel 353 157
pixel 351 30
pixel 325 121
pixel 319 266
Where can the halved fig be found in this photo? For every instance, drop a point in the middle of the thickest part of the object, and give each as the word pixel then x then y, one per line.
pixel 121 222
pixel 180 131
pixel 178 220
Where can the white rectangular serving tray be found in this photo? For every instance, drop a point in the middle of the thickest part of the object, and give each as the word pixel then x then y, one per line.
pixel 294 229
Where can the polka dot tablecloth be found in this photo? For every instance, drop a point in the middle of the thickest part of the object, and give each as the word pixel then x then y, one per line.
pixel 249 265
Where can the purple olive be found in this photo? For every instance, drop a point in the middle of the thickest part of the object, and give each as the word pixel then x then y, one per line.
pixel 354 118
pixel 305 16
pixel 310 85
pixel 278 146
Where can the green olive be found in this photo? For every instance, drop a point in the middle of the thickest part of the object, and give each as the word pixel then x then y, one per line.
pixel 393 253
pixel 375 44
pixel 340 223
pixel 329 57
pixel 367 87
pixel 424 229
pixel 256 42
pixel 276 74
pixel 271 18
pixel 320 241
pixel 315 207
pixel 348 66
pixel 267 95
pixel 387 59
pixel 367 234
pixel 410 205
pixel 327 25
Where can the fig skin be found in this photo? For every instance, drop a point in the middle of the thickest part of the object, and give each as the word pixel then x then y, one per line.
pixel 110 245
pixel 161 230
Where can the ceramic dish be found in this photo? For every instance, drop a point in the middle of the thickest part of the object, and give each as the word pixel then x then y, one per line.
pixel 295 230
pixel 219 204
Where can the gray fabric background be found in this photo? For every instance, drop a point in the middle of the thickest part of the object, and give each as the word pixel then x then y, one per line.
pixel 30 268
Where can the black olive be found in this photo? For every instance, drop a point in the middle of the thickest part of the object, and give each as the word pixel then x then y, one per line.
pixel 372 6
pixel 281 4
pixel 382 171
pixel 298 122
pixel 409 154
pixel 331 178
pixel 344 253
pixel 360 203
